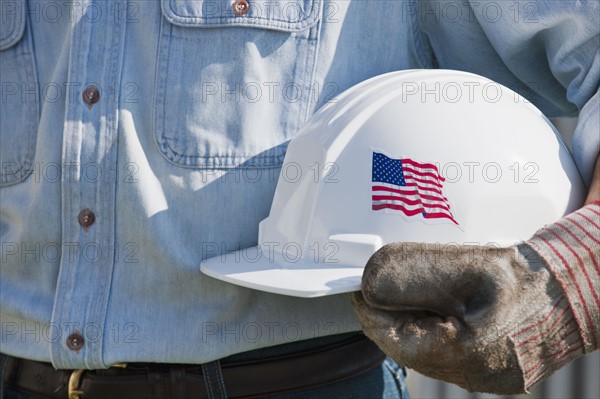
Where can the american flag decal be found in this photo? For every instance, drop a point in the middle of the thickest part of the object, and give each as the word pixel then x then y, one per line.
pixel 411 187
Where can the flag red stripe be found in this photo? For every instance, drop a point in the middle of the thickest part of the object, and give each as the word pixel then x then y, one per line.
pixel 409 192
pixel 425 175
pixel 425 188
pixel 432 198
pixel 408 201
pixel 419 164
pixel 412 212
pixel 407 212
pixel 395 190
pixel 421 174
pixel 422 168
pixel 423 181
pixel 437 215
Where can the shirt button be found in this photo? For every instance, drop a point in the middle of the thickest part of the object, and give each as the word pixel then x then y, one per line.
pixel 86 218
pixel 91 95
pixel 241 7
pixel 75 342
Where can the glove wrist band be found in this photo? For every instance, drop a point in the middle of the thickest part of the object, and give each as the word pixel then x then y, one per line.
pixel 569 328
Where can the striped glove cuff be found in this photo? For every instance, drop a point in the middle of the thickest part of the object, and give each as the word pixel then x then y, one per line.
pixel 570 248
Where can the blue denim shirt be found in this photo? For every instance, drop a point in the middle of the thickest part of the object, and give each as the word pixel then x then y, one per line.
pixel 168 120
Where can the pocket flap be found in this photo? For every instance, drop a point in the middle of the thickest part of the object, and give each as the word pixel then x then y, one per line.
pixel 12 24
pixel 285 15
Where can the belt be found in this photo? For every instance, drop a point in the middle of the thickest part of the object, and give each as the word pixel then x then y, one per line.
pixel 243 379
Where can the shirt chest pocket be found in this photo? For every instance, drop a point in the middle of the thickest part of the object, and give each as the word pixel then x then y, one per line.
pixel 19 92
pixel 234 79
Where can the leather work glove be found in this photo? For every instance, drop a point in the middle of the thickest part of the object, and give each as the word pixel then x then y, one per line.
pixel 488 319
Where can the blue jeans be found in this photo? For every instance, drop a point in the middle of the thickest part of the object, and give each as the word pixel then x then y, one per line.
pixel 386 381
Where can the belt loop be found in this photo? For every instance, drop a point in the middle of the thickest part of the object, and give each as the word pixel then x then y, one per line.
pixel 177 381
pixel 3 361
pixel 213 379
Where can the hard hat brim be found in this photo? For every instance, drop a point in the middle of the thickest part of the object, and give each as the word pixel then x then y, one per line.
pixel 275 274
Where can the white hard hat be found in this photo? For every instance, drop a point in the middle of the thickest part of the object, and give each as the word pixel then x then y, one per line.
pixel 433 156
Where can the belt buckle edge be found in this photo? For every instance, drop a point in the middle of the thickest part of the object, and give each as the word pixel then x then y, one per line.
pixel 74 384
pixel 75 381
